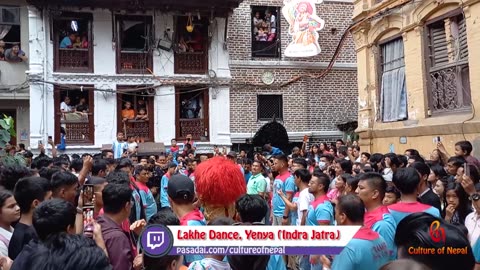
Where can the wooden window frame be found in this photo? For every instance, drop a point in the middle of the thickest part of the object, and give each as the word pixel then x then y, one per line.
pixel 56 43
pixel 206 112
pixel 13 24
pixel 118 34
pixel 431 67
pixel 278 39
pixel 150 109
pixel 191 56
pixel 91 115
pixel 281 111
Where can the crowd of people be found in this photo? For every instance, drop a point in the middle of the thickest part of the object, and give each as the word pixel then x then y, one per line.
pixel 406 204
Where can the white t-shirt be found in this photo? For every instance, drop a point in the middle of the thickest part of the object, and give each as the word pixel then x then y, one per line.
pixel 273 24
pixel 8 236
pixel 304 200
pixel 209 264
pixel 132 147
pixel 64 107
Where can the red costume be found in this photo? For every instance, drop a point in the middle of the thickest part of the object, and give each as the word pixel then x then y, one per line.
pixel 219 183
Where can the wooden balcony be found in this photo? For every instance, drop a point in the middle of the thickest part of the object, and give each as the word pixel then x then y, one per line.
pixel 78 127
pixel 196 127
pixel 191 63
pixel 73 60
pixel 140 128
pixel 135 62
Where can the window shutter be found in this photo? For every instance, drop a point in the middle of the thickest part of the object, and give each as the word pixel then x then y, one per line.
pixel 462 35
pixel 438 45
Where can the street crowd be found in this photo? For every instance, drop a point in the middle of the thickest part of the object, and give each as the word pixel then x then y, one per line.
pixel 416 210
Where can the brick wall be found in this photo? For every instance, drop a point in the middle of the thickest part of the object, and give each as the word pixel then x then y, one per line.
pixel 336 15
pixel 308 104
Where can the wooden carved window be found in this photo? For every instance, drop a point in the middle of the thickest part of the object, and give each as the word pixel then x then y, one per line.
pixel 191 48
pixel 135 38
pixel 73 42
pixel 74 115
pixel 192 112
pixel 448 69
pixel 136 112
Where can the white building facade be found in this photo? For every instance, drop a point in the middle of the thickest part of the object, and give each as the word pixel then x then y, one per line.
pixel 118 56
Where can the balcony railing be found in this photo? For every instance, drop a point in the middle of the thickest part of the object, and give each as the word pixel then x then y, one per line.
pixel 450 89
pixel 191 63
pixel 78 128
pixel 134 62
pixel 139 128
pixel 74 60
pixel 196 127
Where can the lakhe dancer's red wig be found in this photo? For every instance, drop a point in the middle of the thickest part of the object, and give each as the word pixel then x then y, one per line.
pixel 219 181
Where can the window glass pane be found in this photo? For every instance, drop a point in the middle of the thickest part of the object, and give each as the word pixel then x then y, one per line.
pixel 11 15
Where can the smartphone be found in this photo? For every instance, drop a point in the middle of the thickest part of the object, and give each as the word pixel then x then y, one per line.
pixel 466 169
pixel 438 139
pixel 87 191
pixel 88 221
pixel 40 142
pixel 49 138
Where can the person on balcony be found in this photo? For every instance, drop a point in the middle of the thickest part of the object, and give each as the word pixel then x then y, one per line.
pixel 142 115
pixel 196 42
pixel 128 113
pixel 65 105
pixel 82 106
pixel 67 42
pixel 15 55
pixel 272 20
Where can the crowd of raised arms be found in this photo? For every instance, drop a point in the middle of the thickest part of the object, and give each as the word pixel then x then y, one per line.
pixel 409 205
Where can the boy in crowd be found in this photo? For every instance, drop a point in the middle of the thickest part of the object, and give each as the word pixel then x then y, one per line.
pixel 150 206
pixel 407 181
pixel 172 167
pixel 64 186
pixel 250 210
pixel 29 192
pixel 51 220
pixel 367 250
pixel 117 199
pixel 181 194
pixel 119 146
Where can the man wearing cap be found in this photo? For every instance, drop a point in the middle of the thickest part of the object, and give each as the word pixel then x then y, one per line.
pixel 181 194
pixel 172 167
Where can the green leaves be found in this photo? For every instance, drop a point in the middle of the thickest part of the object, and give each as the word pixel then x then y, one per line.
pixel 7 130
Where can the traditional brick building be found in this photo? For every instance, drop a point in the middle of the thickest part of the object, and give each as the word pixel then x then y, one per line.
pixel 430 49
pixel 308 106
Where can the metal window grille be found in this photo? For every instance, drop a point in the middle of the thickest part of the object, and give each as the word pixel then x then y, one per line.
pixel 449 70
pixel 269 107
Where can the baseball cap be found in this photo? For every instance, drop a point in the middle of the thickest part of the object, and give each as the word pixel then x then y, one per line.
pixel 180 187
pixel 232 154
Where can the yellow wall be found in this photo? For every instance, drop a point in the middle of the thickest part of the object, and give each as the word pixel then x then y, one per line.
pixel 420 129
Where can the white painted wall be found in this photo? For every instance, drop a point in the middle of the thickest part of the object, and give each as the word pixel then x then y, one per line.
pixel 104 77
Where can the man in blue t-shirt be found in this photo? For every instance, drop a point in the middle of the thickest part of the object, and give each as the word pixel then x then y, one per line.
pixel 320 211
pixel 172 167
pixel 274 151
pixel 371 190
pixel 286 183
pixel 407 181
pixel 367 250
